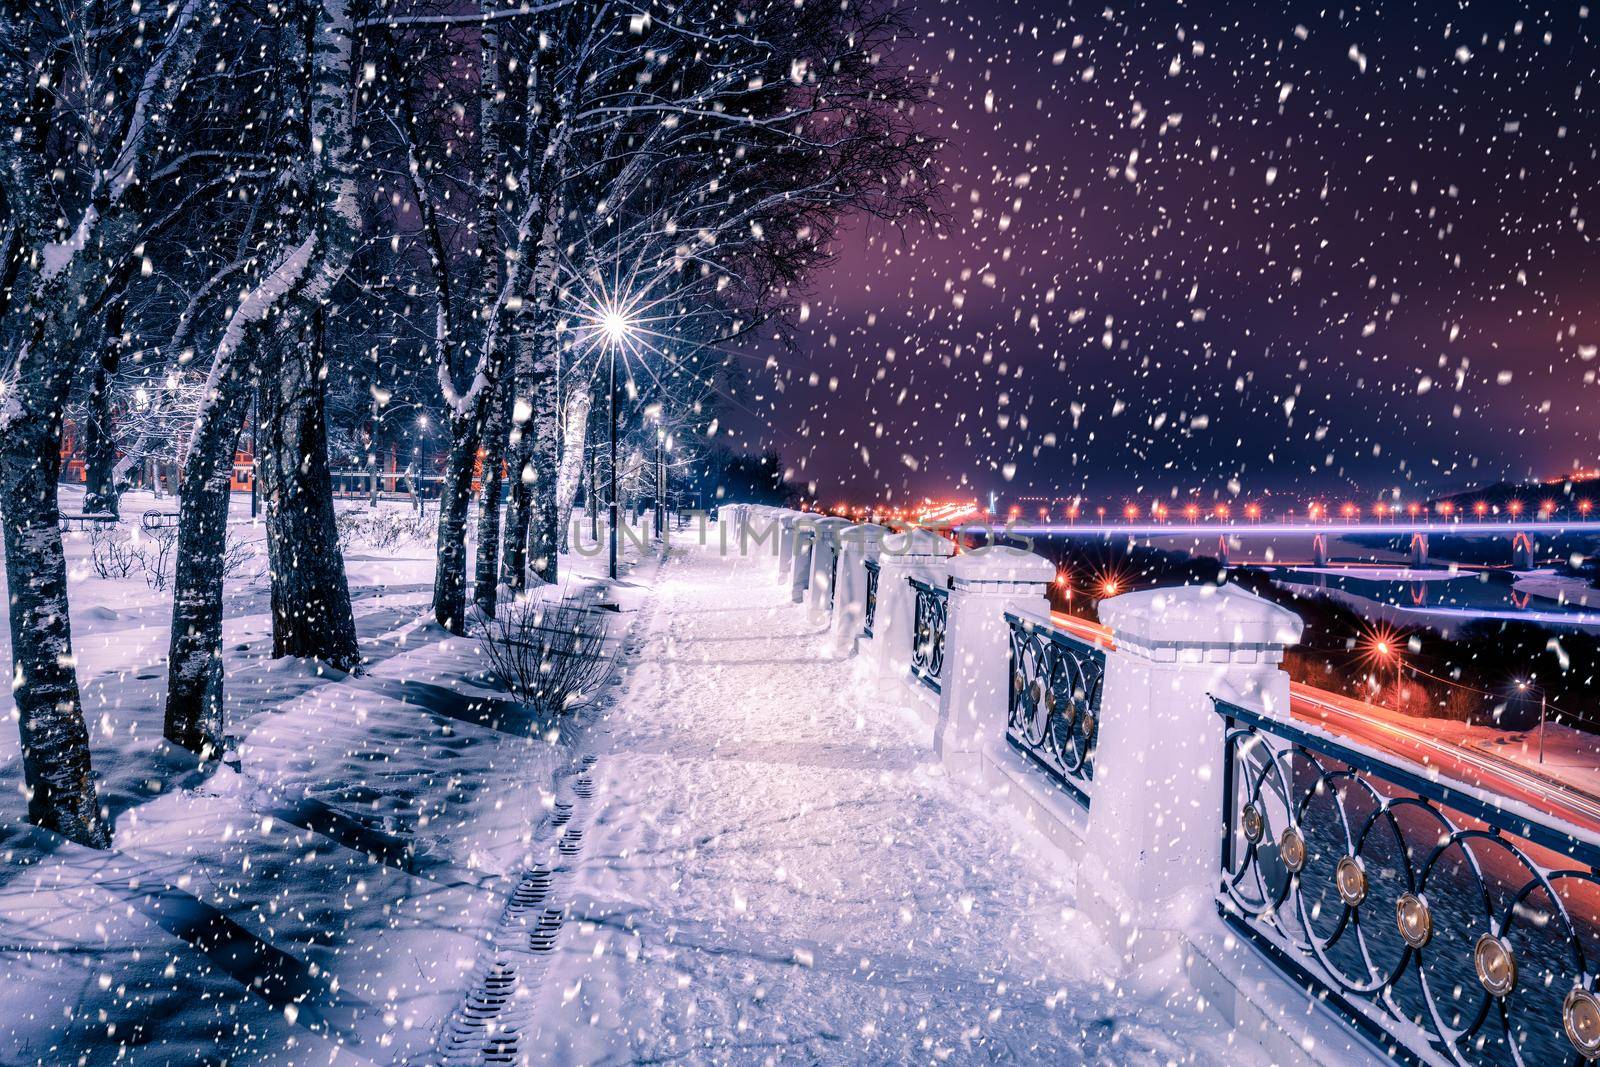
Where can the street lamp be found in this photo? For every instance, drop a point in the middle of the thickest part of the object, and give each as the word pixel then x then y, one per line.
pixel 1522 687
pixel 1381 647
pixel 615 326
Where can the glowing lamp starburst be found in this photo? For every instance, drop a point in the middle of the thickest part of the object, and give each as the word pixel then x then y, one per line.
pixel 615 325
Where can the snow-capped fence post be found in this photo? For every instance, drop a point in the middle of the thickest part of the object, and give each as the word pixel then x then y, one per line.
pixel 913 553
pixel 857 545
pixel 759 536
pixel 975 687
pixel 1155 822
pixel 786 521
pixel 805 543
pixel 730 518
pixel 824 567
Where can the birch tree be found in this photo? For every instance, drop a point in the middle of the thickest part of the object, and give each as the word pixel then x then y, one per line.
pixel 313 238
pixel 87 92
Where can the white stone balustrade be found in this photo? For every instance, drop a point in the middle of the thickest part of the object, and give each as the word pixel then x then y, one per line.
pixel 824 559
pixel 805 543
pixel 758 534
pixel 857 545
pixel 1148 846
pixel 914 553
pixel 1156 820
pixel 975 687
pixel 786 524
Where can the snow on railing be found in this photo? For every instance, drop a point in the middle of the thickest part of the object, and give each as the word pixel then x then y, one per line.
pixel 1444 923
pixel 1053 705
pixel 927 632
pixel 1428 915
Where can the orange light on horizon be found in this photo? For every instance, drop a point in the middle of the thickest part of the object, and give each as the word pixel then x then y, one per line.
pixel 1515 507
pixel 1223 511
pixel 1252 511
pixel 1131 511
pixel 1481 508
pixel 1191 511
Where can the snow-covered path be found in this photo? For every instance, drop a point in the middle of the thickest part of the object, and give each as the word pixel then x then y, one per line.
pixel 772 870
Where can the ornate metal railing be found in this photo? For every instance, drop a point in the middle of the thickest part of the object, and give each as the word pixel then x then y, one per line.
pixel 1445 926
pixel 872 598
pixel 927 632
pixel 1054 708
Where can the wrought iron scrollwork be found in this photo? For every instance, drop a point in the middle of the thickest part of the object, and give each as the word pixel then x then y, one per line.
pixel 927 632
pixel 1443 925
pixel 872 598
pixel 1054 709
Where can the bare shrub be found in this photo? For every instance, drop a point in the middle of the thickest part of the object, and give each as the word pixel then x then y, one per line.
pixel 550 653
pixel 381 530
pixel 156 556
pixel 111 554
pixel 239 561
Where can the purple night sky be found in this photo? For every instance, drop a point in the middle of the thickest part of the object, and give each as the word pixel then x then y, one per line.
pixel 1187 246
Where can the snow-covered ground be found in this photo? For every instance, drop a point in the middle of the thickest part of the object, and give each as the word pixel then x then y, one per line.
pixel 1563 588
pixel 764 864
pixel 739 857
pixel 321 899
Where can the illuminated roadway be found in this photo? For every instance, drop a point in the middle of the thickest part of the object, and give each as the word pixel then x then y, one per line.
pixel 1282 529
pixel 1372 726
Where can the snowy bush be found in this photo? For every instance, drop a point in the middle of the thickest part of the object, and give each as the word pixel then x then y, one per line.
pixel 156 556
pixel 111 554
pixel 240 560
pixel 552 654
pixel 382 530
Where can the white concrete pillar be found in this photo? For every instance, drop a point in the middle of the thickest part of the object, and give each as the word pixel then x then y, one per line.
pixel 824 564
pixel 759 535
pixel 1154 834
pixel 805 542
pixel 914 553
pixel 857 545
pixel 732 540
pixel 786 523
pixel 975 688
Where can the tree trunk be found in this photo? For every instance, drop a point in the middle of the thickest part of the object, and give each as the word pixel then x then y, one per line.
pixel 99 441
pixel 519 463
pixel 591 499
pixel 55 741
pixel 544 540
pixel 194 715
pixel 455 498
pixel 570 469
pixel 486 579
pixel 311 613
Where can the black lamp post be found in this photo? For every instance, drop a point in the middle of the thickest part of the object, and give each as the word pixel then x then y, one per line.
pixel 661 483
pixel 614 510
